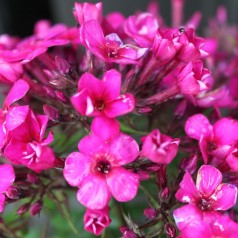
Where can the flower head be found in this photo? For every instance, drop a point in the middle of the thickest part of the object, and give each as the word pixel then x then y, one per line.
pixel 98 169
pixel 102 97
pixel 208 193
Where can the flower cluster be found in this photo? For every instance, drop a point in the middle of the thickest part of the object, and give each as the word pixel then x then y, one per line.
pixel 117 105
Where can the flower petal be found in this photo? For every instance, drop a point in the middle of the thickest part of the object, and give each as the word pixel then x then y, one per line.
pixel 208 178
pixel 7 177
pixel 2 201
pixel 120 106
pixel 93 38
pixel 18 91
pixel 16 116
pixel 224 197
pixel 124 148
pixel 105 127
pixel 226 131
pixel 187 191
pixel 76 167
pixel 198 126
pixel 92 144
pixel 94 192
pixel 123 184
pixel 112 80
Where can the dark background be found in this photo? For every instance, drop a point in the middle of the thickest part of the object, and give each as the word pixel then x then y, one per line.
pixel 17 17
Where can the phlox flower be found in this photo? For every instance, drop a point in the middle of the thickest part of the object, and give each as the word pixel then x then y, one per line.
pixel 97 169
pixel 191 221
pixel 214 140
pixel 142 28
pixel 109 48
pixel 208 193
pixel 102 97
pixel 7 177
pixel 25 139
pixel 96 221
pixel 159 148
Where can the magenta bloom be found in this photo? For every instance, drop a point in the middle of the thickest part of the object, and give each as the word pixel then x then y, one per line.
pixel 208 193
pixel 98 169
pixel 102 97
pixel 109 48
pixel 142 28
pixel 7 178
pixel 87 11
pixel 216 140
pixel 96 221
pixel 159 148
pixel 191 220
pixel 26 143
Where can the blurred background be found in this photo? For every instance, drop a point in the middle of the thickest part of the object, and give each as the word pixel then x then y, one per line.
pixel 18 17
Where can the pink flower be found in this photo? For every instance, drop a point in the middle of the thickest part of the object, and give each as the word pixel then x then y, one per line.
pixel 7 178
pixel 208 193
pixel 216 140
pixel 191 220
pixel 96 221
pixel 33 46
pixel 98 168
pixel 142 28
pixel 193 78
pixel 87 11
pixel 26 143
pixel 102 97
pixel 159 148
pixel 109 48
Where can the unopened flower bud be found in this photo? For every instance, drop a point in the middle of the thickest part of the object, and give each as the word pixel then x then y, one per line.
pixel 189 165
pixel 13 192
pixel 170 230
pixel 36 207
pixel 60 96
pixel 62 65
pixel 164 195
pixel 23 209
pixel 150 213
pixel 127 233
pixel 51 112
pixel 32 178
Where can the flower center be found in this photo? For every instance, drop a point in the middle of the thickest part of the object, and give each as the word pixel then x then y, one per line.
pixel 103 167
pixel 99 105
pixel 204 204
pixel 112 48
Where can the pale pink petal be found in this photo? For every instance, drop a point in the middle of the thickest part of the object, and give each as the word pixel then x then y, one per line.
pixel 124 148
pixel 2 201
pixel 94 192
pixel 16 116
pixel 18 91
pixel 92 36
pixel 123 184
pixel 105 127
pixel 198 126
pixel 208 178
pixel 76 168
pixel 189 85
pixel 187 191
pixel 203 148
pixel 7 177
pixel 224 197
pixel 112 79
pixel 226 131
pixel 92 144
pixel 121 105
